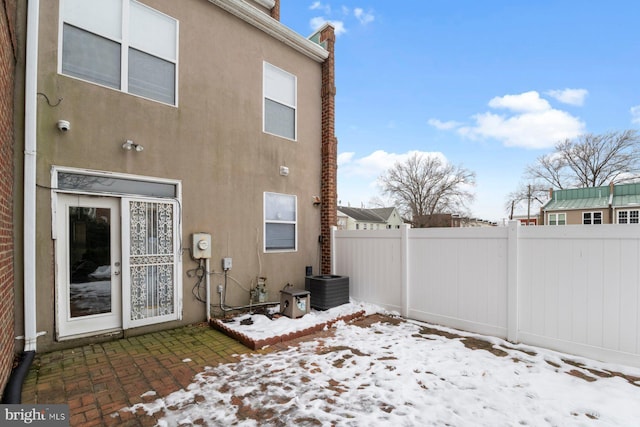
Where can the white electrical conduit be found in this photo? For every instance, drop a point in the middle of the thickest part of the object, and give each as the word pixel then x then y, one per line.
pixel 207 281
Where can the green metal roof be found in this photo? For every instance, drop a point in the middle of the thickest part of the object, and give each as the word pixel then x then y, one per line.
pixel 626 195
pixel 594 197
pixel 558 205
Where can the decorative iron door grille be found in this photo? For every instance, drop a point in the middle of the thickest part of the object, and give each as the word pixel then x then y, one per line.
pixel 150 263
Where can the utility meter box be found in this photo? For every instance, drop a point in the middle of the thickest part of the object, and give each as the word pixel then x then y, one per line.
pixel 201 245
pixel 294 302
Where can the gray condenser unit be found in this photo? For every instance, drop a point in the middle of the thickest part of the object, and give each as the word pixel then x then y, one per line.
pixel 327 291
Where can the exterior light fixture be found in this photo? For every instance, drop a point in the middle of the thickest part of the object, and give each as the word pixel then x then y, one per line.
pixel 130 145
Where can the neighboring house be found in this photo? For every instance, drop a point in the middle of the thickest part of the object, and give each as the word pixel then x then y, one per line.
pixel 612 204
pixel 458 221
pixel 446 220
pixel 8 58
pixel 150 126
pixel 368 219
pixel 526 220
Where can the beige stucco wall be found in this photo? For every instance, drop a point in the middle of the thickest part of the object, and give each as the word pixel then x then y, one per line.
pixel 212 142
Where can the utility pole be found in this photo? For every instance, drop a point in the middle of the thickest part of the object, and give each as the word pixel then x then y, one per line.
pixel 528 203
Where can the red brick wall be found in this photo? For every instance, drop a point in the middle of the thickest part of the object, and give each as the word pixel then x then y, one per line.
pixel 7 70
pixel 275 11
pixel 328 211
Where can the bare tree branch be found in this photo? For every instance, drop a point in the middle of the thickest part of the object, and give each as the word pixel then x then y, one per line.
pixel 589 161
pixel 425 185
pixel 526 196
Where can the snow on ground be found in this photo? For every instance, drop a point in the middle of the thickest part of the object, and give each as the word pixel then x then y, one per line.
pixel 405 374
pixel 261 327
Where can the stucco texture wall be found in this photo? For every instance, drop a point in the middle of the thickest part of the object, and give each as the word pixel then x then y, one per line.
pixel 212 142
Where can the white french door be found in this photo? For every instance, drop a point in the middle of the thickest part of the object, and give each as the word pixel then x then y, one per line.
pixel 117 263
pixel 88 265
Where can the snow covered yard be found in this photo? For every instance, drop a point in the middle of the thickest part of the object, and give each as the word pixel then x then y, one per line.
pixel 385 371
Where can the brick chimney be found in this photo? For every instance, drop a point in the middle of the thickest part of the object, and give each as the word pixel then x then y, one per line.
pixel 329 189
pixel 275 11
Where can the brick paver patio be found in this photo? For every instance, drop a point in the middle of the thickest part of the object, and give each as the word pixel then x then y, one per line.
pixel 98 380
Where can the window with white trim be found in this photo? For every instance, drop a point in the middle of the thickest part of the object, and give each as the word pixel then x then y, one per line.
pixel 557 219
pixel 121 44
pixel 280 222
pixel 629 217
pixel 280 102
pixel 592 218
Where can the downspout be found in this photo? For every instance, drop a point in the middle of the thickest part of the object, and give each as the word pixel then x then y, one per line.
pixel 30 146
pixel 13 390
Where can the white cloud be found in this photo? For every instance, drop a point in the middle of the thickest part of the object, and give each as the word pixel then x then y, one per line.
pixel 316 5
pixel 569 96
pixel 362 16
pixel 524 102
pixel 539 129
pixel 345 157
pixel 376 163
pixel 344 14
pixel 319 21
pixel 530 122
pixel 635 114
pixel 443 125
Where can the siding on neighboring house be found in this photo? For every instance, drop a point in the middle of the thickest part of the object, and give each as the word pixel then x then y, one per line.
pixel 8 56
pixel 368 219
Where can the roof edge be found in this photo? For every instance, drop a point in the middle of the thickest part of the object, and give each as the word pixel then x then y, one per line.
pixel 266 3
pixel 272 27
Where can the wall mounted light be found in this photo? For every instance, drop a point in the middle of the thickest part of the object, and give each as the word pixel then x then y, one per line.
pixel 130 145
pixel 316 201
pixel 284 171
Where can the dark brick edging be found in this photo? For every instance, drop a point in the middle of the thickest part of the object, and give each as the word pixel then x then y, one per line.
pixel 258 344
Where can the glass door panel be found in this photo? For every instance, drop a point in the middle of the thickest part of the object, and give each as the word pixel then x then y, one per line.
pixel 88 257
pixel 89 261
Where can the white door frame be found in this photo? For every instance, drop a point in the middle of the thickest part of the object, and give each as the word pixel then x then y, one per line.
pixel 114 188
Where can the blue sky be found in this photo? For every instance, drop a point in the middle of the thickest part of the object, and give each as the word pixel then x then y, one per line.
pixel 489 85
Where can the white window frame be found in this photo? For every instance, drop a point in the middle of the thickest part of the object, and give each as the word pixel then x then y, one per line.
pixel 293 222
pixel 270 92
pixel 126 44
pixel 628 216
pixel 556 216
pixel 591 219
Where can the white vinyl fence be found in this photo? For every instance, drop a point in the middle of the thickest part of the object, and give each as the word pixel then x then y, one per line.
pixel 574 289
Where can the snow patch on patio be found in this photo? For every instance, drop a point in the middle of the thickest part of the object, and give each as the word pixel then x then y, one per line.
pixel 259 330
pixel 404 373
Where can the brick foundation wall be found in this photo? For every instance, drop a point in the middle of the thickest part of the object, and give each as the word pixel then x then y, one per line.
pixel 328 211
pixel 7 74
